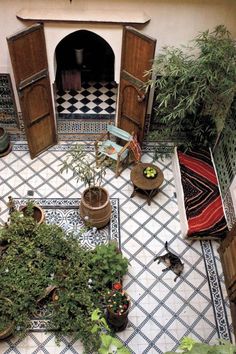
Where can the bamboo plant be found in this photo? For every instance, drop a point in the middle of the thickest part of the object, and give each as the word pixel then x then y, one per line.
pixel 195 88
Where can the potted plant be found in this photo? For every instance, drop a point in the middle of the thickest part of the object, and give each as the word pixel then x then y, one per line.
pixel 5 145
pixel 34 210
pixel 189 345
pixel 95 206
pixel 6 318
pixel 41 260
pixel 195 89
pixel 117 304
pixel 29 209
pixel 108 343
pixel 107 265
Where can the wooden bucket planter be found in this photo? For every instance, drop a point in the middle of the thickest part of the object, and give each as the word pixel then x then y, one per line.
pixel 5 146
pixel 95 207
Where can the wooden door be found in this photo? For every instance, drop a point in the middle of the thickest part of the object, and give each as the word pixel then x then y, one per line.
pixel 137 55
pixel 29 61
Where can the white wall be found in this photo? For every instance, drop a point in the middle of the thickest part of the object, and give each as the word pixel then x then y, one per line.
pixel 55 32
pixel 173 22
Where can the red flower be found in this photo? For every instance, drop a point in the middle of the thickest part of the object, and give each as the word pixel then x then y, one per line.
pixel 117 286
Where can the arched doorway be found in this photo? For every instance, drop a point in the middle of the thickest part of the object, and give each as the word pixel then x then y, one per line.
pixel 85 83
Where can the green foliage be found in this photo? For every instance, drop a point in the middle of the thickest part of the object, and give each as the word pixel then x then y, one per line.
pixel 29 208
pixel 107 265
pixel 189 345
pixel 117 301
pixel 83 168
pixel 195 88
pixel 108 344
pixel 39 258
pixel 6 318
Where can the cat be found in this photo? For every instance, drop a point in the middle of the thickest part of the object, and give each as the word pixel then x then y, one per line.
pixel 172 262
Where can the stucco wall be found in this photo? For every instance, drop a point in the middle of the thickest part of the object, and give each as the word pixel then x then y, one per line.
pixel 173 22
pixel 55 32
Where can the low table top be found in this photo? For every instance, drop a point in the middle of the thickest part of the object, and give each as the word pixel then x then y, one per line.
pixel 139 180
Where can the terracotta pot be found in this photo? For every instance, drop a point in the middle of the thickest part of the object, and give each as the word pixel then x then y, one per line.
pixel 5 146
pixel 8 330
pixel 95 207
pixel 38 214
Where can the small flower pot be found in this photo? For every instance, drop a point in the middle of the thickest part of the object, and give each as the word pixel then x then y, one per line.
pixel 38 213
pixel 117 322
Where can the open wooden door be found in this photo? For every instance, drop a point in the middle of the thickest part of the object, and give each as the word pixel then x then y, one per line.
pixel 137 55
pixel 29 60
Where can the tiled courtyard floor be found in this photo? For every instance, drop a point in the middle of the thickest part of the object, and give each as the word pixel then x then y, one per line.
pixel 163 311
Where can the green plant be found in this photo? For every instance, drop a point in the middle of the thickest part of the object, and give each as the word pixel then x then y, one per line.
pixel 37 259
pixel 108 343
pixel 107 265
pixel 117 301
pixel 189 345
pixel 84 168
pixel 195 89
pixel 6 318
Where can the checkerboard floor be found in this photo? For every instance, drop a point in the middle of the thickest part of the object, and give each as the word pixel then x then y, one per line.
pixel 163 311
pixel 93 98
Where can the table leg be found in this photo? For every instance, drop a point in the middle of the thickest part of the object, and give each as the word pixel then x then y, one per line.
pixel 148 194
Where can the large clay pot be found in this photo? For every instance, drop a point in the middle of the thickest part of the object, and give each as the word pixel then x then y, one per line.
pixel 5 146
pixel 95 207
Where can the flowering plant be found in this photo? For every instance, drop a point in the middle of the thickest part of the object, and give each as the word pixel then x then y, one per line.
pixel 117 286
pixel 117 301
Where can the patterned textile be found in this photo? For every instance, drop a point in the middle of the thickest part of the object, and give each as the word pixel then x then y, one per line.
pixel 202 198
pixel 136 149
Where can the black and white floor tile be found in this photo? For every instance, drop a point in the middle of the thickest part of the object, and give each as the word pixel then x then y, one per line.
pixel 93 98
pixel 163 311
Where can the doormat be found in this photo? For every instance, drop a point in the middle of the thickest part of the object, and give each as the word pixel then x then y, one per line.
pixel 65 213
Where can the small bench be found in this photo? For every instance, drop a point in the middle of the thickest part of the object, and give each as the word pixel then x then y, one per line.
pixel 200 205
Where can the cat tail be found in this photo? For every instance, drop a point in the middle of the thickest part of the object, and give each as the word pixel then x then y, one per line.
pixel 166 246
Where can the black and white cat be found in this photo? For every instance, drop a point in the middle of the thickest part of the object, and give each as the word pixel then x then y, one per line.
pixel 171 261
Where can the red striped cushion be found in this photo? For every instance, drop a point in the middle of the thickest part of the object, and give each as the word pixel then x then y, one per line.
pixel 136 149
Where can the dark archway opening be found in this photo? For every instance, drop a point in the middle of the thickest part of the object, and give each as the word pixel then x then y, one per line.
pixel 85 88
pixel 83 56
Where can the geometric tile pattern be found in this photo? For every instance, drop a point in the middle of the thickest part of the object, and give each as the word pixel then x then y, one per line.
pixel 8 114
pixel 93 98
pixel 229 209
pixel 86 126
pixel 65 213
pixel 225 159
pixel 162 311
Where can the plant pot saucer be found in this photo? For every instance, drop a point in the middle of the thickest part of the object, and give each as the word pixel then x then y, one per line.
pixel 7 151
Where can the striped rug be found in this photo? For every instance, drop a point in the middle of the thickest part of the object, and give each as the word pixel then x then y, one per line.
pixel 203 204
